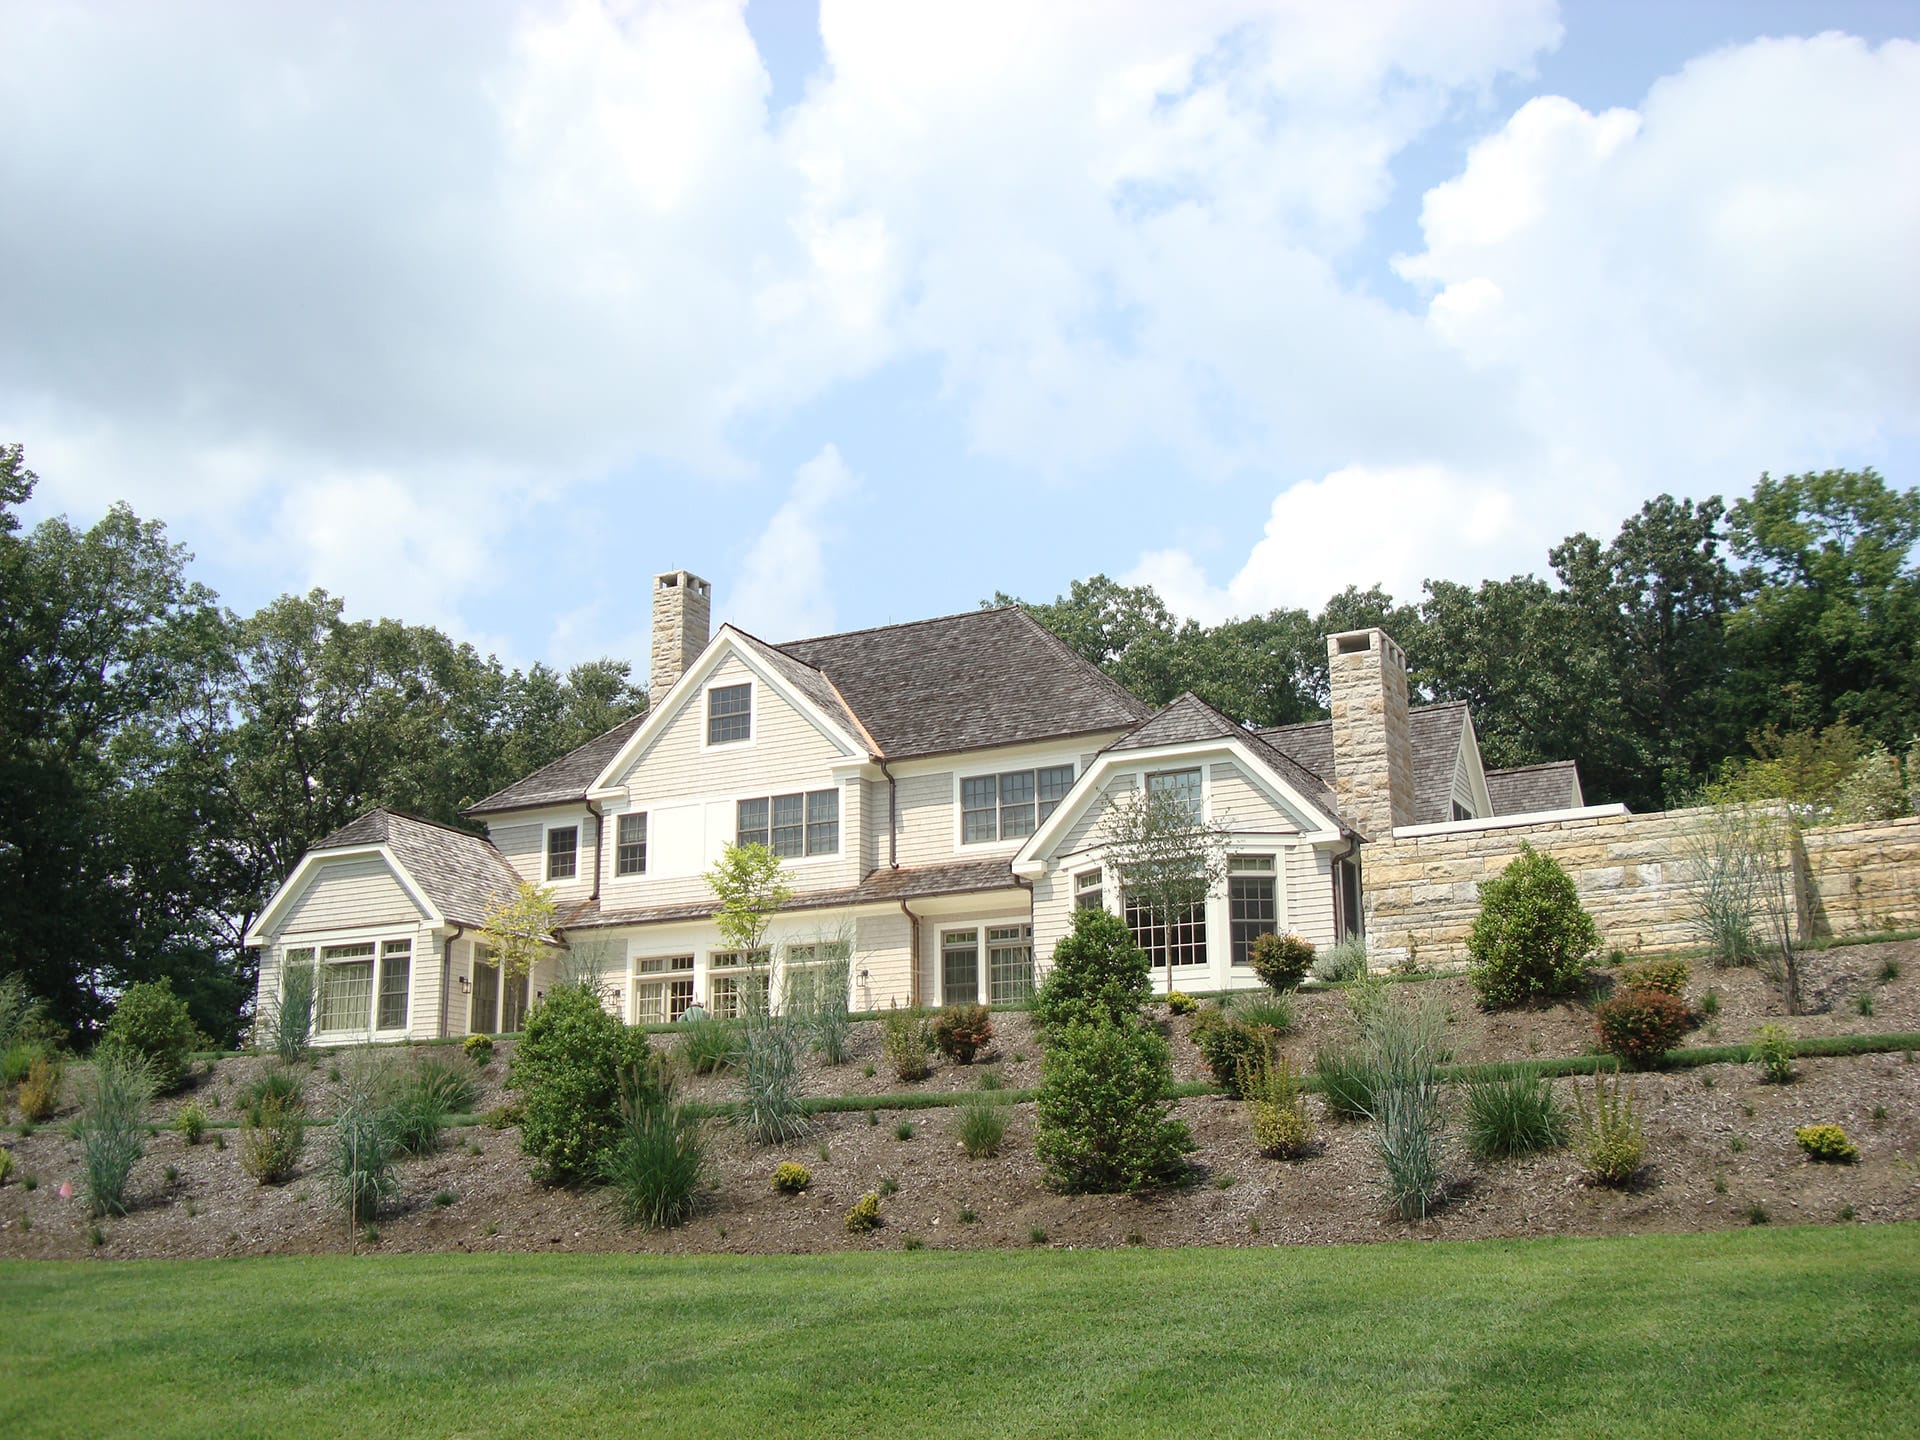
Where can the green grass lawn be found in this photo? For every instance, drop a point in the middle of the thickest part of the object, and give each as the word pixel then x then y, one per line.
pixel 1788 1332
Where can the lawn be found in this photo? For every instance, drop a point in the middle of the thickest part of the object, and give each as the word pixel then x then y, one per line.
pixel 1760 1332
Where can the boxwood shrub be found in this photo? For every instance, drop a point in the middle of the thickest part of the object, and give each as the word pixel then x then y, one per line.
pixel 1532 939
pixel 567 1069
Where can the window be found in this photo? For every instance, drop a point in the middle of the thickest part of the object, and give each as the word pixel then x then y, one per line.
pixel 1182 785
pixel 499 1004
pixel 396 973
pixel 663 989
pixel 1252 903
pixel 810 972
pixel 730 996
pixel 729 714
pixel 1009 964
pixel 1087 894
pixel 1460 812
pixel 563 852
pixel 960 967
pixel 631 856
pixel 791 825
pixel 1346 899
pixel 346 987
pixel 1185 939
pixel 1012 805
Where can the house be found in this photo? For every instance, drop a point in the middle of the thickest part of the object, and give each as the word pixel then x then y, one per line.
pixel 936 790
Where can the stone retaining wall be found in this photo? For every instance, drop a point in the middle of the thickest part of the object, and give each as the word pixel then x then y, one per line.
pixel 1865 878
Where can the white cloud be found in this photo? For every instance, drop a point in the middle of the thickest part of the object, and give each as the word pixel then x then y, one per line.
pixel 786 589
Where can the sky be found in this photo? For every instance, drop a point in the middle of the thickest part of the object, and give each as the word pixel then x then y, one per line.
pixel 481 314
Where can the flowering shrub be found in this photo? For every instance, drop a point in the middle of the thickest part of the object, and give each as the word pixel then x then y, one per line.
pixel 790 1178
pixel 1640 1026
pixel 1668 976
pixel 1281 961
pixel 478 1048
pixel 1828 1143
pixel 962 1031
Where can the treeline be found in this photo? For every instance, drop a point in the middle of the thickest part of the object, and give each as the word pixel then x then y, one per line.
pixel 165 761
pixel 1701 634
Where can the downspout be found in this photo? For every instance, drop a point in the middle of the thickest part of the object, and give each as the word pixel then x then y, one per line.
pixel 913 945
pixel 599 849
pixel 893 819
pixel 1340 900
pixel 446 974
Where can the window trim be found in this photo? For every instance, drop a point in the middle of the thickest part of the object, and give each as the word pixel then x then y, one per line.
pixel 752 737
pixel 806 825
pixel 1069 763
pixel 546 852
pixel 1147 777
pixel 1098 889
pixel 1269 872
pixel 619 844
pixel 315 946
pixel 983 955
pixel 675 968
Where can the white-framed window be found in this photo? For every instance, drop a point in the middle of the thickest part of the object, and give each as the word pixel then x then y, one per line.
pixel 662 988
pixel 807 972
pixel 630 841
pixel 791 825
pixel 396 976
pixel 499 1002
pixel 1012 804
pixel 960 967
pixel 1088 892
pixel 1253 903
pixel 737 983
pixel 1009 964
pixel 1185 939
pixel 729 714
pixel 1182 785
pixel 360 986
pixel 563 852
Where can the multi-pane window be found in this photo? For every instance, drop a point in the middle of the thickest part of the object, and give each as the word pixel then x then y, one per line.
pixel 563 852
pixel 1181 785
pixel 810 972
pixel 630 856
pixel 791 825
pixel 1087 891
pixel 396 973
pixel 346 987
pixel 729 714
pixel 1009 963
pixel 740 985
pixel 1185 939
pixel 483 1016
pixel 960 967
pixel 663 988
pixel 1010 805
pixel 1252 903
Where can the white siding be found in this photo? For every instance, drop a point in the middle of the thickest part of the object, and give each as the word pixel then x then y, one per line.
pixel 348 893
pixel 1237 802
pixel 1309 903
pixel 883 950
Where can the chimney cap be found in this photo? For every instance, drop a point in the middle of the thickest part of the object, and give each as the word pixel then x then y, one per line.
pixel 674 579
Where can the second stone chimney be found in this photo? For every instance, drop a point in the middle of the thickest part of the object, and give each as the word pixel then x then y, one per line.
pixel 1372 742
pixel 682 618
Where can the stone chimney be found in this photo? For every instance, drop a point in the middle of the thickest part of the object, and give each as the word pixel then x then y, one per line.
pixel 1372 744
pixel 682 617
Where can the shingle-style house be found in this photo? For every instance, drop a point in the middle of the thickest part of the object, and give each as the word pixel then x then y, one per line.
pixel 936 790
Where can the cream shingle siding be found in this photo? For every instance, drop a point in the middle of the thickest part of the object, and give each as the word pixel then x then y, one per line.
pixel 1235 801
pixel 926 819
pixel 353 891
pixel 521 845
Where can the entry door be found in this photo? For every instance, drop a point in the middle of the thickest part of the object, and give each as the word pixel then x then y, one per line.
pixel 483 1016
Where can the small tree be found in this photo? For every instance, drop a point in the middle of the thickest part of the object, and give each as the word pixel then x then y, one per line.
pixel 749 884
pixel 519 927
pixel 1165 855
pixel 1532 938
pixel 1097 974
pixel 152 1023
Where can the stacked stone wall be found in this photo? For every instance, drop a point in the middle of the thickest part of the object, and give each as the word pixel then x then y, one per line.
pixel 1864 878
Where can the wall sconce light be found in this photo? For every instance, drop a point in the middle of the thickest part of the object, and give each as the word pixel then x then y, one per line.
pixel 466 988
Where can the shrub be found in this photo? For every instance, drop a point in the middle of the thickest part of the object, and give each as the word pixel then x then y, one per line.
pixel 6 1164
pixel 111 1133
pixel 1346 1079
pixel 1233 1049
pixel 1508 1116
pixel 770 1072
pixel 191 1122
pixel 907 1038
pixel 1667 976
pixel 1281 961
pixel 445 1082
pixel 1272 1012
pixel 281 1087
pixel 1607 1134
pixel 1179 1003
pixel 505 1117
pixel 290 1026
pixel 1828 1143
pixel 151 1022
pixel 39 1094
pixel 983 1125
pixel 1531 938
pixel 17 1059
pixel 271 1137
pixel 1103 1121
pixel 709 1045
pixel 790 1178
pixel 478 1049
pixel 962 1031
pixel 1773 1053
pixel 1098 974
pixel 1277 1111
pixel 1640 1026
pixel 1347 960
pixel 865 1214
pixel 567 1070
pixel 657 1163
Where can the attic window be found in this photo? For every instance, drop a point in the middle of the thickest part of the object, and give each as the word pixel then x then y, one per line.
pixel 729 714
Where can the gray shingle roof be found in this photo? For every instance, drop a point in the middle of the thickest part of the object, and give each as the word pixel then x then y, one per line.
pixel 461 873
pixel 566 779
pixel 1524 789
pixel 965 682
pixel 1189 719
pixel 1434 732
pixel 808 681
pixel 912 882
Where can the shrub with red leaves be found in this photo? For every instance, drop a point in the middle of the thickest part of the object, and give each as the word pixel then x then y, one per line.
pixel 1641 1025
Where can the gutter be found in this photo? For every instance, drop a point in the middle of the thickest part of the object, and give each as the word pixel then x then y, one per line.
pixel 893 819
pixel 446 974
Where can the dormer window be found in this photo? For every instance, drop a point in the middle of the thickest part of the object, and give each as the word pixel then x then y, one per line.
pixel 729 714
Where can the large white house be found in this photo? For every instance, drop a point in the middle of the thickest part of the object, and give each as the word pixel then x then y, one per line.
pixel 936 791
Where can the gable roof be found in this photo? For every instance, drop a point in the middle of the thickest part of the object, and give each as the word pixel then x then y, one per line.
pixel 1434 733
pixel 1189 719
pixel 563 780
pixel 808 681
pixel 1524 789
pixel 966 682
pixel 458 872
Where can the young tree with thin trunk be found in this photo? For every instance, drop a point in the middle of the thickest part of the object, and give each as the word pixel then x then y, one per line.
pixel 1166 855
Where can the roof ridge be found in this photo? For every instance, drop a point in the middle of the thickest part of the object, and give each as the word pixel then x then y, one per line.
pixel 1530 765
pixel 535 774
pixel 891 625
pixel 1111 683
